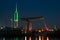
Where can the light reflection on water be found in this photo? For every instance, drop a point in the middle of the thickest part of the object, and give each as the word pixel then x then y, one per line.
pixel 3 38
pixel 36 38
pixel 42 37
pixel 39 37
pixel 16 38
pixel 47 38
pixel 25 37
pixel 29 38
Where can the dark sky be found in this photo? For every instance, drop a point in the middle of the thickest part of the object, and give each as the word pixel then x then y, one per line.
pixel 50 9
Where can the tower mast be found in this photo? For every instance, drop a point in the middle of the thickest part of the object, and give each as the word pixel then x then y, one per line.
pixel 16 7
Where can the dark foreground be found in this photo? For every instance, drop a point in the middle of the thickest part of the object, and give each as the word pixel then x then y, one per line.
pixel 21 35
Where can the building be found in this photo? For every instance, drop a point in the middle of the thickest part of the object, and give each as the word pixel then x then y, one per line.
pixel 16 18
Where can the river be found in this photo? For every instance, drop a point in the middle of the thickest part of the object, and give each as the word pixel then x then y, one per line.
pixel 30 38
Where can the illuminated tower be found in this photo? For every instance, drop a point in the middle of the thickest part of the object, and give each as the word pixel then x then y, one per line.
pixel 16 18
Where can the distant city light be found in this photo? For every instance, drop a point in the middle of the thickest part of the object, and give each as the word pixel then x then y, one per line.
pixel 39 30
pixel 30 28
pixel 42 30
pixel 47 29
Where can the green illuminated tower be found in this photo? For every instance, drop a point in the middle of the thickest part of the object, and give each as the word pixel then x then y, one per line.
pixel 16 18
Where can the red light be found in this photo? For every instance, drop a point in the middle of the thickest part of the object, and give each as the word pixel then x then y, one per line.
pixel 47 29
pixel 30 28
pixel 47 38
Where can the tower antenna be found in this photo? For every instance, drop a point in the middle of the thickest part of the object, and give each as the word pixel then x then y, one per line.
pixel 16 7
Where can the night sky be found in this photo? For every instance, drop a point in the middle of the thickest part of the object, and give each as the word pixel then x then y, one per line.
pixel 50 9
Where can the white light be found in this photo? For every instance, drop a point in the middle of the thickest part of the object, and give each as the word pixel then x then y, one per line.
pixel 3 38
pixel 36 38
pixel 25 38
pixel 39 37
pixel 1 27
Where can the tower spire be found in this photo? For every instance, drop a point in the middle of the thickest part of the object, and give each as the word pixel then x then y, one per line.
pixel 16 7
